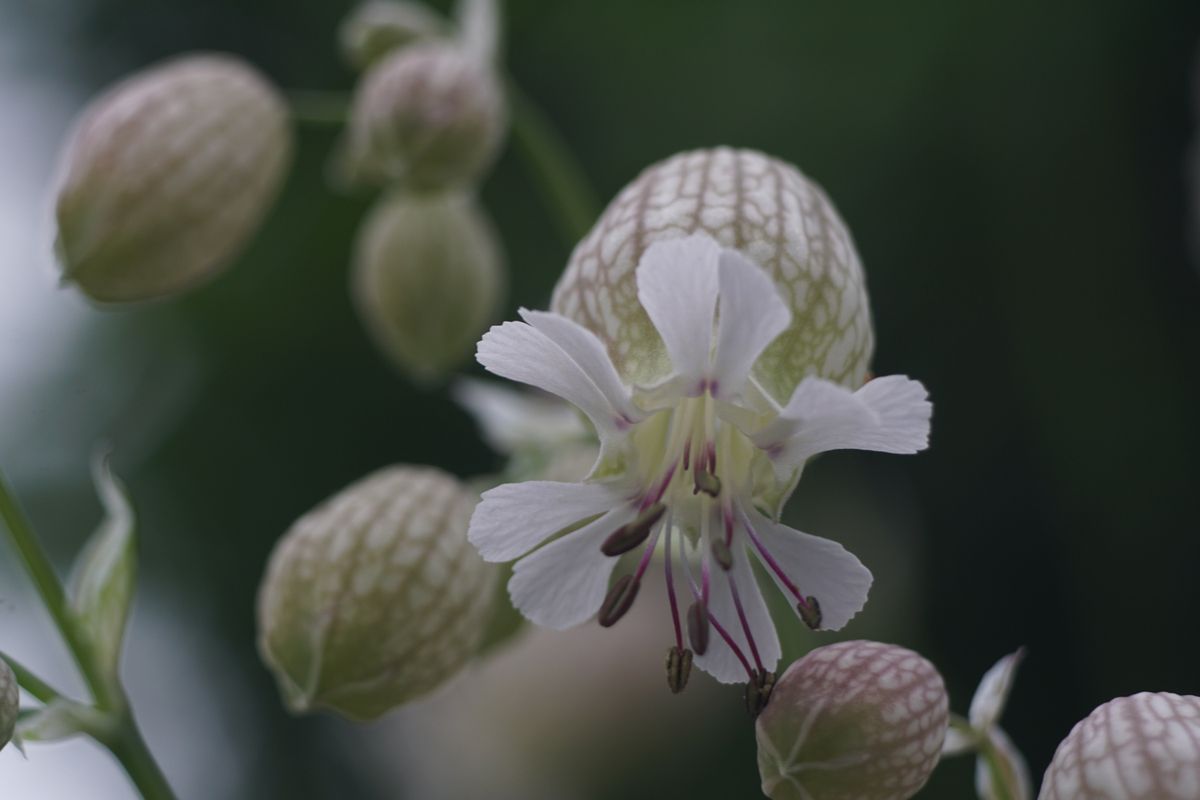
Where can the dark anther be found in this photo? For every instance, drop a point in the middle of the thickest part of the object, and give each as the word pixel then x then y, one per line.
pixel 722 554
pixel 627 537
pixel 707 482
pixel 679 668
pixel 618 600
pixel 810 612
pixel 758 691
pixel 697 623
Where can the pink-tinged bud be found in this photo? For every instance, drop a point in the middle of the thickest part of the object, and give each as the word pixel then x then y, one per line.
pixel 428 116
pixel 857 719
pixel 167 176
pixel 765 208
pixel 375 597
pixel 1144 747
pixel 10 703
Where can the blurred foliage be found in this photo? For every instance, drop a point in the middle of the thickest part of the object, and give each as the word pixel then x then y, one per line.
pixel 1014 174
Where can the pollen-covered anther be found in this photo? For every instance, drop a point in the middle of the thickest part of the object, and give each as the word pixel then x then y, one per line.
pixel 758 691
pixel 679 668
pixel 698 627
pixel 618 600
pixel 810 612
pixel 627 537
pixel 722 554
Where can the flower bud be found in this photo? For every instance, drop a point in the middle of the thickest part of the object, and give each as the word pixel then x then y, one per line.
pixel 1144 747
pixel 427 116
pixel 427 279
pixel 765 208
pixel 167 175
pixel 375 597
pixel 868 718
pixel 10 703
pixel 377 27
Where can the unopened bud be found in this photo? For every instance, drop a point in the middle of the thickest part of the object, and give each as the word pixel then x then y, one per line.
pixel 810 611
pixel 763 207
pixel 167 176
pixel 854 719
pixel 377 27
pixel 698 627
pixel 1144 747
pixel 427 116
pixel 375 597
pixel 10 703
pixel 618 600
pixel 679 669
pixel 629 536
pixel 427 278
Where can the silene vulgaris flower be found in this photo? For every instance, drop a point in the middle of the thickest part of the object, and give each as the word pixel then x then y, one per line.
pixel 696 466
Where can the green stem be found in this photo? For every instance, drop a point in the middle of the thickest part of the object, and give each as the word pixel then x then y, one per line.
pixel 48 586
pixel 557 172
pixel 31 683
pixel 129 746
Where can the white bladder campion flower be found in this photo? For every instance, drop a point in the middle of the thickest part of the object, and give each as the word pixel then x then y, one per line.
pixel 1000 770
pixel 700 460
pixel 1144 747
pixel 857 719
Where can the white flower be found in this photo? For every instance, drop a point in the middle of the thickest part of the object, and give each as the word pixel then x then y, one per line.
pixel 1000 770
pixel 703 459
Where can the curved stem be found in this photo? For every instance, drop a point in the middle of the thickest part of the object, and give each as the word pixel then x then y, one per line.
pixel 129 746
pixel 555 168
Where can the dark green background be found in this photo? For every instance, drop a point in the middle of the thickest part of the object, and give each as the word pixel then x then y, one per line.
pixel 1016 177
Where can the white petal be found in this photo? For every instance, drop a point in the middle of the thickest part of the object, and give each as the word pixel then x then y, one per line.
pixel 564 583
pixel 520 352
pixel 677 285
pixel 510 419
pixel 512 519
pixel 888 415
pixel 751 314
pixel 1013 770
pixel 988 703
pixel 818 567
pixel 720 661
pixel 586 350
pixel 958 740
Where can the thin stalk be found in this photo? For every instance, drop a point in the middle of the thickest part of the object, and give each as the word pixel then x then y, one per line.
pixel 556 170
pixel 50 589
pixel 129 747
pixel 42 691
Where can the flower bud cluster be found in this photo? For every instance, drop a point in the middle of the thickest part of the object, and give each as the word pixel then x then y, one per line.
pixel 375 597
pixel 427 121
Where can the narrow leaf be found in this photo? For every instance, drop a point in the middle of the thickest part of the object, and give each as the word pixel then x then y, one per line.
pixel 103 580
pixel 59 720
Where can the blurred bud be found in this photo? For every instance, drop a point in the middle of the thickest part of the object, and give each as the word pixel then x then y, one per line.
pixel 1144 747
pixel 167 175
pixel 377 27
pixel 854 719
pixel 375 597
pixel 426 117
pixel 748 201
pixel 427 278
pixel 10 703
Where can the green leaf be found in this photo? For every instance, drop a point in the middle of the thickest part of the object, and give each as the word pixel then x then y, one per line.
pixel 103 579
pixel 59 720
